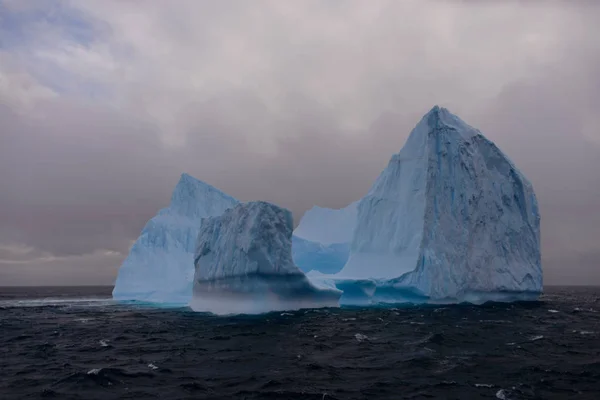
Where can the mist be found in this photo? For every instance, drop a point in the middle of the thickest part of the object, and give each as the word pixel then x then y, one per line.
pixel 104 104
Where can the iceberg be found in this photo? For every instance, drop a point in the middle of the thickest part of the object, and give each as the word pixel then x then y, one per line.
pixel 309 256
pixel 322 239
pixel 160 264
pixel 328 226
pixel 243 264
pixel 450 219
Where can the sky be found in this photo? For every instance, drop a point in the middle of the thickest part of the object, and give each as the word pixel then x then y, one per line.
pixel 104 103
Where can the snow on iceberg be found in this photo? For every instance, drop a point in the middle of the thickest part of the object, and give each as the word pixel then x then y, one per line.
pixel 243 264
pixel 450 219
pixel 160 264
pixel 322 239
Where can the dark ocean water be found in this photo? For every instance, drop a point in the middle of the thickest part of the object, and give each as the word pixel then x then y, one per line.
pixel 75 343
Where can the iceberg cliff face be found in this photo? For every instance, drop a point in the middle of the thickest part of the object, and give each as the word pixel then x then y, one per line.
pixel 244 264
pixel 450 219
pixel 160 264
pixel 322 239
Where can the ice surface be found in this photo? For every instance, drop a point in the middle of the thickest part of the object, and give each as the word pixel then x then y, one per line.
pixel 329 259
pixel 450 219
pixel 328 226
pixel 160 264
pixel 244 264
pixel 322 239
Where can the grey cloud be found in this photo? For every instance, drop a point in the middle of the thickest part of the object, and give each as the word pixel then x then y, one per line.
pixel 98 268
pixel 78 179
pixel 316 126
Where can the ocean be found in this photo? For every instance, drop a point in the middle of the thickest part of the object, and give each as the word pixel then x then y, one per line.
pixel 76 343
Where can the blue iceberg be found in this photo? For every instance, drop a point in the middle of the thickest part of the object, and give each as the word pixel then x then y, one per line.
pixel 451 219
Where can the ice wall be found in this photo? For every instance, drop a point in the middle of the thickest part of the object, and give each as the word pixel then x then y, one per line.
pixel 244 264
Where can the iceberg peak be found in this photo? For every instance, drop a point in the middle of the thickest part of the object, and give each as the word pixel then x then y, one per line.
pixel 184 200
pixel 437 123
pixel 435 110
pixel 439 120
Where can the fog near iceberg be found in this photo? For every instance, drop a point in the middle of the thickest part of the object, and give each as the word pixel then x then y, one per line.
pixel 101 110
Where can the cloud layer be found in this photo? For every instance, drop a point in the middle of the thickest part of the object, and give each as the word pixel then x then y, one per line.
pixel 104 103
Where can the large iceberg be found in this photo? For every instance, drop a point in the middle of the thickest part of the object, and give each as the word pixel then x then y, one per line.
pixel 322 239
pixel 243 264
pixel 160 264
pixel 450 219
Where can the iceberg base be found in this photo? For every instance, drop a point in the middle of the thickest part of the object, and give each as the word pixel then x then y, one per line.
pixel 260 293
pixel 166 299
pixel 369 292
pixel 160 301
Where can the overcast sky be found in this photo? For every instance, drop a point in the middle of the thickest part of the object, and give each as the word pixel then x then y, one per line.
pixel 103 104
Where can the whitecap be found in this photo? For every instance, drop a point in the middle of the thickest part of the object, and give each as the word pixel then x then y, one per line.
pixel 360 337
pixel 85 302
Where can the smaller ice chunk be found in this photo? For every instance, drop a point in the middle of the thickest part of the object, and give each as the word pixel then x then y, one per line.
pixel 160 264
pixel 243 264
